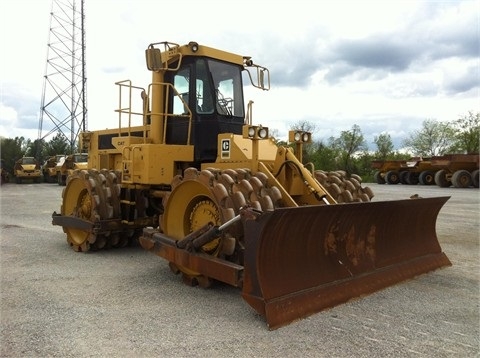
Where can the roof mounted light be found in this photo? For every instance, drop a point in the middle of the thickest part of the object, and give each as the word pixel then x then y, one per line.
pixel 247 60
pixel 193 46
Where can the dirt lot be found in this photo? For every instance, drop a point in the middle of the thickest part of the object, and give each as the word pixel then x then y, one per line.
pixel 126 303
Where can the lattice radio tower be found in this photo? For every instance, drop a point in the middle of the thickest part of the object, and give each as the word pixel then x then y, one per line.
pixel 63 107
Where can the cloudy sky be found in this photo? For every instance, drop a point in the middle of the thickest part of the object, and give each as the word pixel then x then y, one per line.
pixel 383 65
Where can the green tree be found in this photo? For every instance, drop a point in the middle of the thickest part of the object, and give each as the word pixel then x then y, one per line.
pixel 12 150
pixel 384 146
pixel 349 143
pixel 467 134
pixel 58 145
pixel 363 165
pixel 34 149
pixel 324 156
pixel 434 138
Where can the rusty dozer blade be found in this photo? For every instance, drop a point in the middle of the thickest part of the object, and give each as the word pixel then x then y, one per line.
pixel 299 261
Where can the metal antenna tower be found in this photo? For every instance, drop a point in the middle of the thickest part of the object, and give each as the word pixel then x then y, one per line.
pixel 63 107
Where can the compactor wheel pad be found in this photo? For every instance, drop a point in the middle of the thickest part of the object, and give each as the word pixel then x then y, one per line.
pixel 92 196
pixel 213 196
pixel 343 188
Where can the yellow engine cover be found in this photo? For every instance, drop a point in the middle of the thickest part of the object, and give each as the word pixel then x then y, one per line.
pixel 155 163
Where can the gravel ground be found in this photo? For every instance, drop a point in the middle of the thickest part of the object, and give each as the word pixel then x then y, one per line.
pixel 127 303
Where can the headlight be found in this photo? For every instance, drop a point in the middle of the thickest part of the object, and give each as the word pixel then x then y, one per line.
pixel 299 137
pixel 263 133
pixel 193 46
pixel 255 132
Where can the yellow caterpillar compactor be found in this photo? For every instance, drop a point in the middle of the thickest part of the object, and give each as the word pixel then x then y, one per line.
pixel 188 176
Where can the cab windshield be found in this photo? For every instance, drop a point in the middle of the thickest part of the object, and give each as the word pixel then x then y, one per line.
pixel 80 158
pixel 28 161
pixel 227 82
pixel 217 88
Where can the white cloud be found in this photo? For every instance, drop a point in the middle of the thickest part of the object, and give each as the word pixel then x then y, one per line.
pixel 8 115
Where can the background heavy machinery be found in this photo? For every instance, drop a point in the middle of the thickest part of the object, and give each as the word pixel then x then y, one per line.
pixel 416 170
pixel 459 170
pixel 190 177
pixel 67 164
pixel 388 171
pixel 49 168
pixel 27 168
pixel 419 170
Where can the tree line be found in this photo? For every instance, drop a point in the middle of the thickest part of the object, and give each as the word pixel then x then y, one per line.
pixel 348 152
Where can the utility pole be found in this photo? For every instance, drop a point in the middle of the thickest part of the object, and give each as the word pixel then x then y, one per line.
pixel 63 109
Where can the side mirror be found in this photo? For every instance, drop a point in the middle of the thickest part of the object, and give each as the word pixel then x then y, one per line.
pixel 261 78
pixel 154 59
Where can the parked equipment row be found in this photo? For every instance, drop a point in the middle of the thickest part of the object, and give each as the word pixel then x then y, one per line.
pixel 458 170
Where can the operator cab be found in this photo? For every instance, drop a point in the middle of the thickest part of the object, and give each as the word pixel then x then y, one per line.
pixel 213 91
